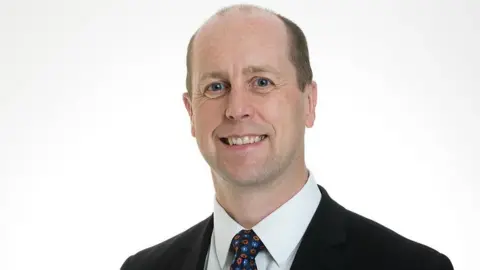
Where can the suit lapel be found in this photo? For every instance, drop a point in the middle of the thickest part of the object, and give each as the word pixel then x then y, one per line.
pixel 321 246
pixel 194 255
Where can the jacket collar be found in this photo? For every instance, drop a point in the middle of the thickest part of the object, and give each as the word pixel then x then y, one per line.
pixel 196 251
pixel 319 248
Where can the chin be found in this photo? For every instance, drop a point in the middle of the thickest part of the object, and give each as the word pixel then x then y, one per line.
pixel 245 175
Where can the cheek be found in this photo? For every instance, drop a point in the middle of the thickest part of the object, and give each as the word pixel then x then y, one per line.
pixel 273 113
pixel 284 114
pixel 207 117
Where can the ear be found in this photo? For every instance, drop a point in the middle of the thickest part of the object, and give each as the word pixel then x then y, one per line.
pixel 187 101
pixel 311 103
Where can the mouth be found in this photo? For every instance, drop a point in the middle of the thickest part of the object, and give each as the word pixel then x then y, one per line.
pixel 242 140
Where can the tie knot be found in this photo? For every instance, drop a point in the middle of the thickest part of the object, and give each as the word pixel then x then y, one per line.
pixel 247 243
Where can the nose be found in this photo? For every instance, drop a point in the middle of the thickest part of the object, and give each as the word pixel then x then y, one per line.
pixel 239 105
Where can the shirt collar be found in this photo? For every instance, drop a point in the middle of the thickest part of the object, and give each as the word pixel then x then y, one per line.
pixel 294 215
pixel 224 229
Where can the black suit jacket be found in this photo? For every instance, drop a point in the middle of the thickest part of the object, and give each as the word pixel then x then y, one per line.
pixel 336 239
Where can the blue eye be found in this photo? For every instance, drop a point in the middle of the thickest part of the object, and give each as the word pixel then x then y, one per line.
pixel 215 87
pixel 262 82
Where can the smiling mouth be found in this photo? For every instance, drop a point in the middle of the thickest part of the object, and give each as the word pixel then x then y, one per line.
pixel 242 140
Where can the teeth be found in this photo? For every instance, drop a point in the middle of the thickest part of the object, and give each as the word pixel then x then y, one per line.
pixel 244 140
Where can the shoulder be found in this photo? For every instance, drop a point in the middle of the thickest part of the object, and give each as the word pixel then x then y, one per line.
pixel 369 241
pixel 159 255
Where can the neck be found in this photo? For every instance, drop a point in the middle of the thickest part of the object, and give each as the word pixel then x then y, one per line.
pixel 262 199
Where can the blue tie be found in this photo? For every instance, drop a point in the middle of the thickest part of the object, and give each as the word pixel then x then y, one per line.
pixel 245 245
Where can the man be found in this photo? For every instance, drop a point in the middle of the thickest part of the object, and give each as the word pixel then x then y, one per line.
pixel 250 97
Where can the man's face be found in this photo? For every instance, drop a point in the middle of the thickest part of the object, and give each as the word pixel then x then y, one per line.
pixel 248 114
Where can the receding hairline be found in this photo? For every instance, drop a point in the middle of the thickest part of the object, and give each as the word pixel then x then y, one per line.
pixel 243 8
pixel 249 9
pixel 239 9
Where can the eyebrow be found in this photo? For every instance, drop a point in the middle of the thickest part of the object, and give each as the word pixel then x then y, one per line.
pixel 246 70
pixel 260 69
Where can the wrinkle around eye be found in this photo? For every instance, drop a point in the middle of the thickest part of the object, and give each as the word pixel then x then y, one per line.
pixel 270 82
pixel 263 88
pixel 215 90
pixel 209 92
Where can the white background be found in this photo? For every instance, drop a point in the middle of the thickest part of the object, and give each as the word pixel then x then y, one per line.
pixel 96 157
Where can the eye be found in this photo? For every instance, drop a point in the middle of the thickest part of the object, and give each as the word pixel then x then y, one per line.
pixel 216 87
pixel 262 82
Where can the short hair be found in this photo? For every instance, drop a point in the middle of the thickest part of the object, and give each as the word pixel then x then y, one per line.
pixel 298 48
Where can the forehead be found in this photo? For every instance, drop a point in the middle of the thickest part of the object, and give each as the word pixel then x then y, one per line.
pixel 235 41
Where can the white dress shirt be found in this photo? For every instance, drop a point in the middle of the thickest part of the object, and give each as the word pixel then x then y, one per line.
pixel 280 232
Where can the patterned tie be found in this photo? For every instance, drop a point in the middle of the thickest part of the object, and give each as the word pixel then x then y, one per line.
pixel 246 245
